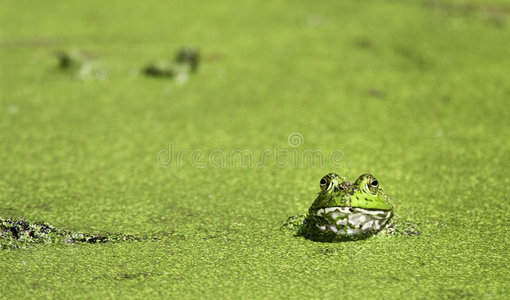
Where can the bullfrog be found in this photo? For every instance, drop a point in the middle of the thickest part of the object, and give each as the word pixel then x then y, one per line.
pixel 346 210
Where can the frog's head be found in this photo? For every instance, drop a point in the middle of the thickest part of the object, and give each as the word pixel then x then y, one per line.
pixel 369 194
pixel 365 193
pixel 345 208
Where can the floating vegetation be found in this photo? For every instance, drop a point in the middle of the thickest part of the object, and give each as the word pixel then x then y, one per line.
pixel 80 65
pixel 164 68
pixel 188 56
pixel 19 233
pixel 186 61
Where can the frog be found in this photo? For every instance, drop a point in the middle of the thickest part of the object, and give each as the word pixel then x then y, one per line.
pixel 346 210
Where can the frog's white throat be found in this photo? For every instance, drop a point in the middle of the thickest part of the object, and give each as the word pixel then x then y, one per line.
pixel 351 221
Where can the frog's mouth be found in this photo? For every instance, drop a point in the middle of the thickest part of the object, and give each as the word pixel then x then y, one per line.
pixel 351 221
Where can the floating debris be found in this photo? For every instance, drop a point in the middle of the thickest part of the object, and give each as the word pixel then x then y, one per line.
pixel 186 61
pixel 188 56
pixel 161 68
pixel 19 233
pixel 80 65
pixel 68 60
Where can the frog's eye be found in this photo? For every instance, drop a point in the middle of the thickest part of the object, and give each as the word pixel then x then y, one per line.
pixel 324 183
pixel 372 186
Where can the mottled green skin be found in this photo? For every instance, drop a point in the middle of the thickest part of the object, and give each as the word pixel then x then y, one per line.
pixel 364 193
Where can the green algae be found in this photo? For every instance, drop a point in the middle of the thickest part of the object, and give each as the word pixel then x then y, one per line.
pixel 414 92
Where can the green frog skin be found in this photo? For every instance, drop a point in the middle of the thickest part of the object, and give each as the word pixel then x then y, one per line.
pixel 349 209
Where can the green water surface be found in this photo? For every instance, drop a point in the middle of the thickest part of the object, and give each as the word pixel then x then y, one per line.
pixel 415 92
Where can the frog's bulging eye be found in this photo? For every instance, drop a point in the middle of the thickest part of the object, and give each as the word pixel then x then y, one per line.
pixel 372 186
pixel 324 183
